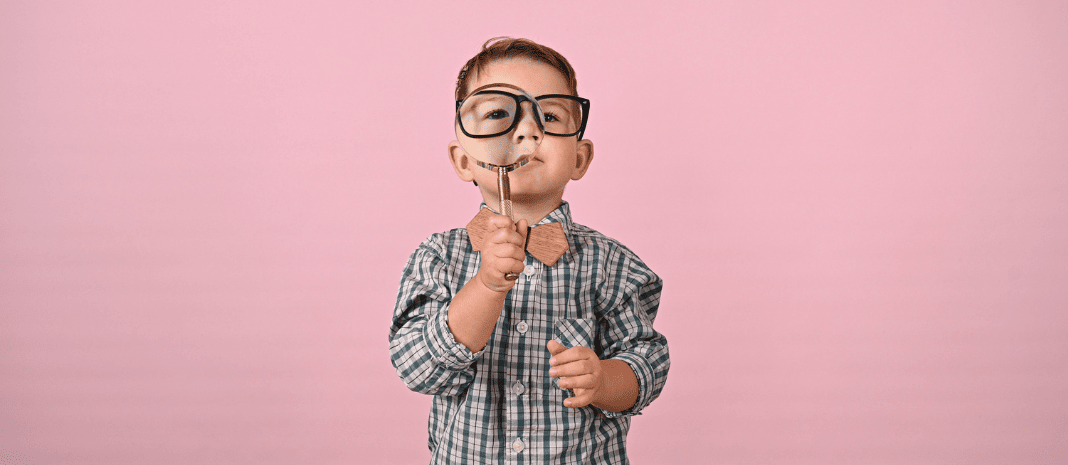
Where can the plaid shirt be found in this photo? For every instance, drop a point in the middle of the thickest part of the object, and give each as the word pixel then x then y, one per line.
pixel 499 405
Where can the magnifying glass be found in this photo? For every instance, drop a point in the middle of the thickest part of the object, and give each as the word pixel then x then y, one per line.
pixel 486 124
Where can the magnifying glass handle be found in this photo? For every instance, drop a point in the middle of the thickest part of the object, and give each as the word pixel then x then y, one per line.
pixel 506 205
pixel 505 192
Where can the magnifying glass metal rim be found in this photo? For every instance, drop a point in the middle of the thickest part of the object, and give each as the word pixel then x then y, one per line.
pixel 523 96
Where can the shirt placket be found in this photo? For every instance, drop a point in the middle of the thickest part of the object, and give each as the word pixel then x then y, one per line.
pixel 518 404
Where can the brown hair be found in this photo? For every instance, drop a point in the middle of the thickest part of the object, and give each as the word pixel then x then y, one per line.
pixel 502 48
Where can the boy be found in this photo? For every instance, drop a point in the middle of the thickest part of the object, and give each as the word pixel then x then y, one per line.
pixel 530 360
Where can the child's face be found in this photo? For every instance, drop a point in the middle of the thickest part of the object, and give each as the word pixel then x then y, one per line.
pixel 556 161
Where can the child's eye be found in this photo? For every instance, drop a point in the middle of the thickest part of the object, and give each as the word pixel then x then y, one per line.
pixel 497 114
pixel 551 118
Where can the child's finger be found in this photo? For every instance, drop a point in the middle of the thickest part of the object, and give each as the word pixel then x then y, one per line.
pixel 511 266
pixel 507 250
pixel 500 222
pixel 578 367
pixel 573 354
pixel 580 400
pixel 586 381
pixel 555 347
pixel 505 236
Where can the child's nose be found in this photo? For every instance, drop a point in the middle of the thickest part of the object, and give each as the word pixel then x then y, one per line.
pixel 528 129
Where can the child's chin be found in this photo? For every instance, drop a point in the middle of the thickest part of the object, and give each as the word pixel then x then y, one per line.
pixel 528 196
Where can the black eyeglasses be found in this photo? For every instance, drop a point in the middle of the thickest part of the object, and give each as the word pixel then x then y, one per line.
pixel 492 113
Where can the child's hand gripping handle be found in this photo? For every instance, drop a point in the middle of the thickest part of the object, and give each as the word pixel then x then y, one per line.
pixel 503 253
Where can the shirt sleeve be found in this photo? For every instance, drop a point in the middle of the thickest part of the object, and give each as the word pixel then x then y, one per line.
pixel 422 348
pixel 626 332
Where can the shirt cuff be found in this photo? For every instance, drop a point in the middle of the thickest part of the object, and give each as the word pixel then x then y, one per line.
pixel 443 346
pixel 644 373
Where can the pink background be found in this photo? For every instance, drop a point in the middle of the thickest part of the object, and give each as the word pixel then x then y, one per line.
pixel 860 211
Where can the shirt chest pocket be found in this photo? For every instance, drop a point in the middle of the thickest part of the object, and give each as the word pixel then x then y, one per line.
pixel 575 332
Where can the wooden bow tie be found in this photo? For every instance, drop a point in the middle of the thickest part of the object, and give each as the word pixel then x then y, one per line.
pixel 546 242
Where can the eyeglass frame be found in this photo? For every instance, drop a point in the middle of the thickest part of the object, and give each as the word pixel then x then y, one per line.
pixel 519 99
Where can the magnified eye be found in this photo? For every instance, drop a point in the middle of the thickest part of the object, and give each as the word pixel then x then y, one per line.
pixel 497 114
pixel 486 113
pixel 551 117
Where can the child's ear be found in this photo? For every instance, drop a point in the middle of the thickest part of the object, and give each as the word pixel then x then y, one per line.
pixel 583 157
pixel 461 162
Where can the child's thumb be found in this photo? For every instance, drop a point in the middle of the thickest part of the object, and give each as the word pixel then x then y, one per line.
pixel 555 347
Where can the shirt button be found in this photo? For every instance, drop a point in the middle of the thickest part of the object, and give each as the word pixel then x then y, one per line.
pixel 518 388
pixel 529 270
pixel 522 327
pixel 518 445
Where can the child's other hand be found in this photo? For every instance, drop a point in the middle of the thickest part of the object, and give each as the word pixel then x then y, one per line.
pixel 502 253
pixel 579 369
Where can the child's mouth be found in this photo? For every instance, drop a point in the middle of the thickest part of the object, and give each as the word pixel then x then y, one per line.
pixel 522 161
